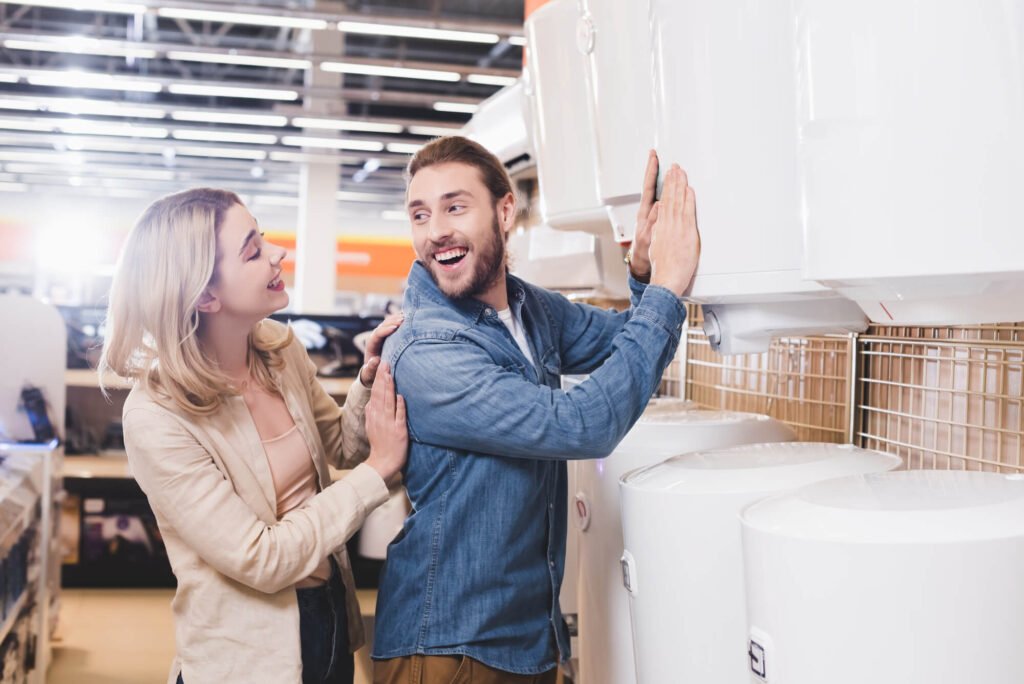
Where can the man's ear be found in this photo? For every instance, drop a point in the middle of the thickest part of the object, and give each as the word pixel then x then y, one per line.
pixel 507 211
pixel 208 302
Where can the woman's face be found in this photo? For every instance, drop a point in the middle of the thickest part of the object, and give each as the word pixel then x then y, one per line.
pixel 247 280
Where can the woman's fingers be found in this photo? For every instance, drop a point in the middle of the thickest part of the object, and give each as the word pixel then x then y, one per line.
pixel 400 411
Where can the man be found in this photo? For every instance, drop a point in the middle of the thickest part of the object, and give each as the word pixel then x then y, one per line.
pixel 469 592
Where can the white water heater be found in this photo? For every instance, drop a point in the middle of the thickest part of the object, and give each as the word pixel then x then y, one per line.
pixel 911 128
pixel 563 132
pixel 614 37
pixel 725 109
pixel 683 561
pixel 897 578
pixel 665 429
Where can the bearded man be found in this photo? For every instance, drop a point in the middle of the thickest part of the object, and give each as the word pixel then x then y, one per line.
pixel 469 592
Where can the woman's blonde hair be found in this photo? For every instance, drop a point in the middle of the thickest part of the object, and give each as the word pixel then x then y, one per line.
pixel 153 320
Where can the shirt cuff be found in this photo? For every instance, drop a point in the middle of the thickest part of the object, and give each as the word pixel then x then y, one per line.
pixel 368 486
pixel 662 306
pixel 358 393
pixel 636 290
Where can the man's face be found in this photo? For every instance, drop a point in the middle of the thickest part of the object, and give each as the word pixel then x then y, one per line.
pixel 456 230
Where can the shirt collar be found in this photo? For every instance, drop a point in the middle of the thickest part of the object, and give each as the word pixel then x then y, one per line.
pixel 422 283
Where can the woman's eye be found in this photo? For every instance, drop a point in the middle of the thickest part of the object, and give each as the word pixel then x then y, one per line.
pixel 255 255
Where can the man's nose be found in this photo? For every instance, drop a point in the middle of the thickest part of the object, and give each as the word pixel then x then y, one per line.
pixel 439 229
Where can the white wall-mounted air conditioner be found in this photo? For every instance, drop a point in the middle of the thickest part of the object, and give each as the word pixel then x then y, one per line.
pixel 500 124
pixel 569 261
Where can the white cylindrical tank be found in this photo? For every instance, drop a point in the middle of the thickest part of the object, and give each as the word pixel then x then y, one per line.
pixel 615 38
pixel 667 428
pixel 563 131
pixel 683 558
pixel 898 578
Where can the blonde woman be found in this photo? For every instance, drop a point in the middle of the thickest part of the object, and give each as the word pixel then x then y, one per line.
pixel 230 435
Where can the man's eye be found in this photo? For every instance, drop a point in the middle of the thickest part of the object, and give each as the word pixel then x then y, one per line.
pixel 419 216
pixel 456 207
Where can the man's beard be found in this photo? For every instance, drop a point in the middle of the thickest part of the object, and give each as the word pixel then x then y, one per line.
pixel 490 265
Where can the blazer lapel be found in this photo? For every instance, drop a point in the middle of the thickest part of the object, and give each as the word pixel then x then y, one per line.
pixel 251 451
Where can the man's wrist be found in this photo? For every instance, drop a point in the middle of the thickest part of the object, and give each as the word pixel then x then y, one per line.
pixel 634 270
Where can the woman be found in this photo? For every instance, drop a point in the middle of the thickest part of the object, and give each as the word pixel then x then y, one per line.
pixel 230 435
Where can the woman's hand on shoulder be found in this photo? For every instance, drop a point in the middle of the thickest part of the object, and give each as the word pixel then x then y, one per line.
pixel 374 346
pixel 386 427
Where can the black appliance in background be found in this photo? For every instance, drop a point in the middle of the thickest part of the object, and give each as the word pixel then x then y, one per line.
pixel 110 537
pixel 330 340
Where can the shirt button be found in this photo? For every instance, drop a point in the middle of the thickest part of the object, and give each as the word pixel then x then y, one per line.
pixel 551 563
pixel 489 312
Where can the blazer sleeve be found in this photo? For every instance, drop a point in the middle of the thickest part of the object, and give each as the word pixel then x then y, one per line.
pixel 342 428
pixel 189 492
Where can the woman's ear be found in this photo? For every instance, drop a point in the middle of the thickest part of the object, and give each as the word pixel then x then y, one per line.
pixel 208 302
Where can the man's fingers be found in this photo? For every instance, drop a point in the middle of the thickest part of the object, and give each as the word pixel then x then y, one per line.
pixel 650 182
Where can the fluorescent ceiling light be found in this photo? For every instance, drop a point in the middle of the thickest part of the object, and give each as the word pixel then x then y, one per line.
pixel 100 108
pixel 222 152
pixel 460 107
pixel 91 81
pixel 491 79
pixel 81 46
pixel 26 125
pixel 517 40
pixel 13 187
pixel 332 143
pixel 89 127
pixel 225 137
pixel 242 18
pixel 305 157
pixel 22 105
pixel 349 196
pixel 243 60
pixel 9 78
pixel 394 215
pixel 346 125
pixel 42 157
pixel 86 5
pixel 431 131
pixel 230 118
pixel 104 171
pixel 403 148
pixel 392 72
pixel 417 32
pixel 232 91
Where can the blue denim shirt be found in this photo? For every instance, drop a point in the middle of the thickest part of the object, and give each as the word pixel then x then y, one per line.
pixel 477 567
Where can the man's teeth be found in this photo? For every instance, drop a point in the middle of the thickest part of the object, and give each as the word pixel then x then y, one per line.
pixel 451 254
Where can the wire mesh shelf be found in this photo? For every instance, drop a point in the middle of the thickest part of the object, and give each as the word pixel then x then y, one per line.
pixel 804 382
pixel 947 398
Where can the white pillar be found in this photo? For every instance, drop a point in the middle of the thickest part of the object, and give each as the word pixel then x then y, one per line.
pixel 316 234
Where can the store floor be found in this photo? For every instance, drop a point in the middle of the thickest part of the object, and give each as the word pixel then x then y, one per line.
pixel 126 636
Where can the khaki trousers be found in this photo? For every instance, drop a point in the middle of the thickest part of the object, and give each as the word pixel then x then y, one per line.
pixel 420 669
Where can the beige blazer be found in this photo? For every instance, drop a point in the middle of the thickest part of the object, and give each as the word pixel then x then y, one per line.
pixel 209 484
